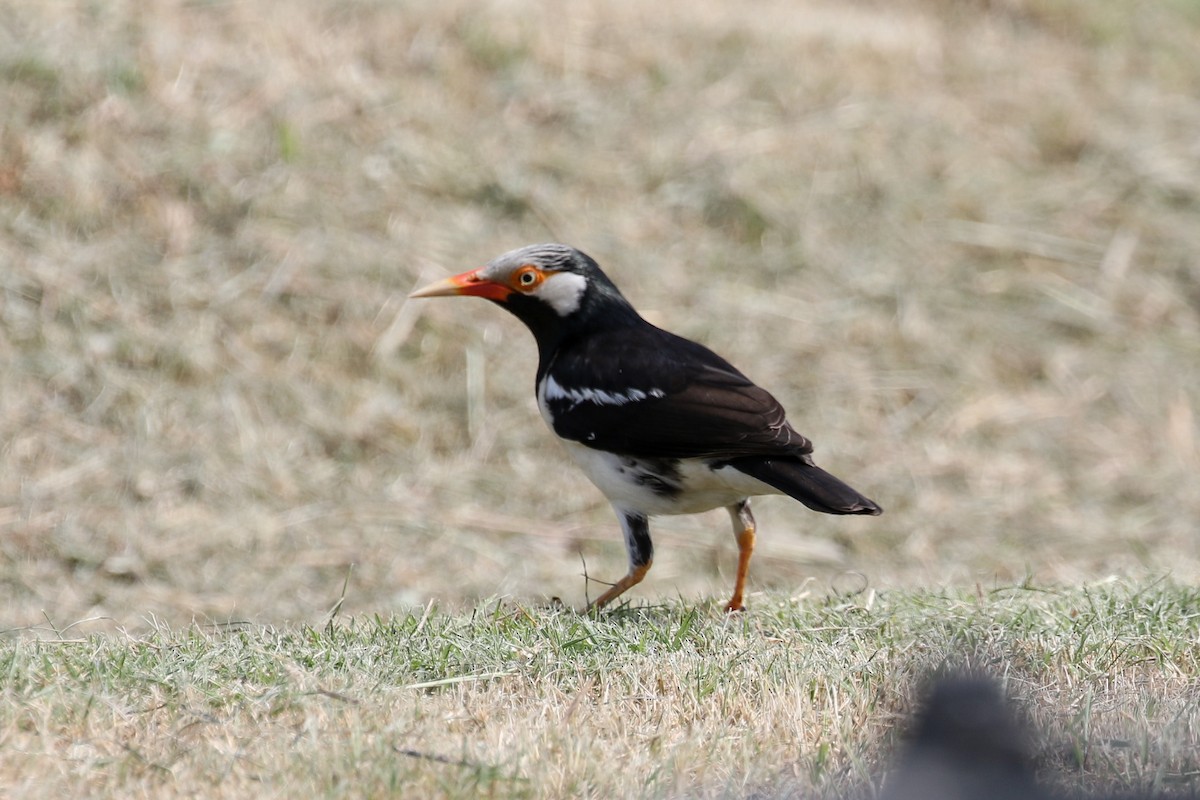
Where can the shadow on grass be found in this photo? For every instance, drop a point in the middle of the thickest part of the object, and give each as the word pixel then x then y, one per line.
pixel 967 742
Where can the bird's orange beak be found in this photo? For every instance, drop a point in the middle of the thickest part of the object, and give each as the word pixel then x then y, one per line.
pixel 468 283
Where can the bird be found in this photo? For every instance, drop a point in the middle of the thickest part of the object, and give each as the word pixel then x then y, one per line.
pixel 659 423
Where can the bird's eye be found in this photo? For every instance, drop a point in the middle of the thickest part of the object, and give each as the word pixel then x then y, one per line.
pixel 527 277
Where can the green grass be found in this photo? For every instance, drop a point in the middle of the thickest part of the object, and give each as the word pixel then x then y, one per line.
pixel 797 697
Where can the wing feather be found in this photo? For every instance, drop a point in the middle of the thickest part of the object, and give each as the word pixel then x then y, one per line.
pixel 653 394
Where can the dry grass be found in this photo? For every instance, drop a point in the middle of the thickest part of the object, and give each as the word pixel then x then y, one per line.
pixel 803 697
pixel 958 240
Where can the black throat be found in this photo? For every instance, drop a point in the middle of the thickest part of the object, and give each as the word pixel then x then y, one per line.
pixel 601 308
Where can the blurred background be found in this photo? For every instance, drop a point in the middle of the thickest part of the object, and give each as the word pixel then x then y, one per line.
pixel 958 240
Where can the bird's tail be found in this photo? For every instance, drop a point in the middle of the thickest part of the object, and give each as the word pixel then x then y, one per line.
pixel 808 483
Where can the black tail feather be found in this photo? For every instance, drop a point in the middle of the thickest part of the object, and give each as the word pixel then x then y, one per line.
pixel 808 483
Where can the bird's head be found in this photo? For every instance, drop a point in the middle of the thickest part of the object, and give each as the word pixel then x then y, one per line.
pixel 549 287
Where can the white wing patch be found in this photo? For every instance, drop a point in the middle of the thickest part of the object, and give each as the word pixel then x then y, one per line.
pixel 555 391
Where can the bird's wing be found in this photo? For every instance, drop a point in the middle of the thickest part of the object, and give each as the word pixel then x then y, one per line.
pixel 646 392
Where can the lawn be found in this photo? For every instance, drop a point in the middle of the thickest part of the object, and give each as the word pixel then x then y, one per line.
pixel 958 241
pixel 803 697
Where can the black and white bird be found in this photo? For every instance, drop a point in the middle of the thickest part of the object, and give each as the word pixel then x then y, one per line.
pixel 659 423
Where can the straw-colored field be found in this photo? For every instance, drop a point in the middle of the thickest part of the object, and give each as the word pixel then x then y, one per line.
pixel 960 241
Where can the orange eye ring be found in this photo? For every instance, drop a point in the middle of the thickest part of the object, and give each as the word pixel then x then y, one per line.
pixel 527 278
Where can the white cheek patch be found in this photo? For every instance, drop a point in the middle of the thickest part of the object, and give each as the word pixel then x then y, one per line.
pixel 562 291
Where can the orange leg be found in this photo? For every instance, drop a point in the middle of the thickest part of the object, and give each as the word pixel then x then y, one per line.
pixel 743 530
pixel 632 578
pixel 636 528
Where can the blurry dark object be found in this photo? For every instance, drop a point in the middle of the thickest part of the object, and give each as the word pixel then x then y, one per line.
pixel 966 743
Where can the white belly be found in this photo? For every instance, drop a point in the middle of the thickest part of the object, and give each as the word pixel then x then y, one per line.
pixel 623 481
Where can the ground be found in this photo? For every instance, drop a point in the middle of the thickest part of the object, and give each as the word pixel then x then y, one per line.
pixel 957 240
